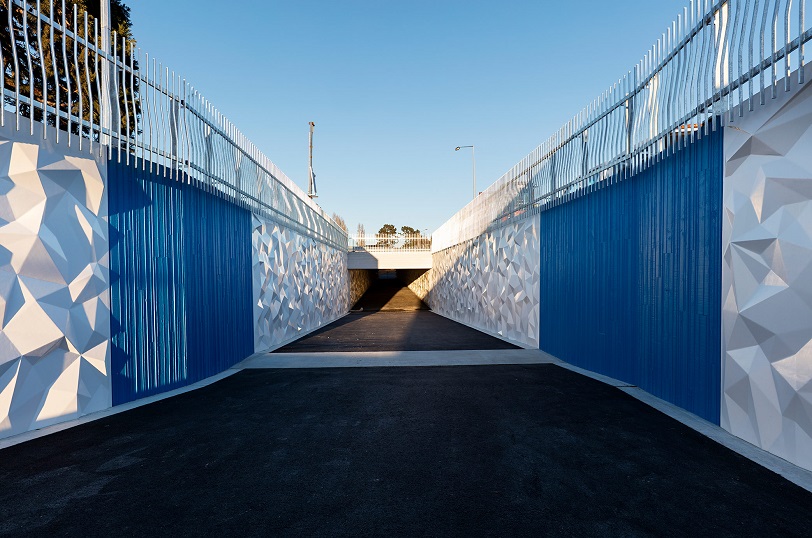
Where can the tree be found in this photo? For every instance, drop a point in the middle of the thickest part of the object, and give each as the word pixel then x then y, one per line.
pixel 361 235
pixel 386 236
pixel 340 222
pixel 78 92
pixel 414 239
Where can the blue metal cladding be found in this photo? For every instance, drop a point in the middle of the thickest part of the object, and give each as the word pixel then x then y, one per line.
pixel 631 279
pixel 180 271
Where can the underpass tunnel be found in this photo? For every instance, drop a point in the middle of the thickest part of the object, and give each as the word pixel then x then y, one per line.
pixel 388 289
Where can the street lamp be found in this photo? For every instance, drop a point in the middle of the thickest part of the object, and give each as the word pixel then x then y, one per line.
pixel 473 159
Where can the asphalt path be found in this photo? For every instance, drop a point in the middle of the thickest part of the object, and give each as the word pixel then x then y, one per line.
pixel 413 451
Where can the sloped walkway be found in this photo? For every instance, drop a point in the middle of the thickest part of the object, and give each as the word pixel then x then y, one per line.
pixel 514 446
pixel 433 451
pixel 390 317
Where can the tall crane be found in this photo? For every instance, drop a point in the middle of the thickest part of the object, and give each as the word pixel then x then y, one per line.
pixel 311 191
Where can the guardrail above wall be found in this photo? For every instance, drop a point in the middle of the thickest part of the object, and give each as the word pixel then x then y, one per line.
pixel 74 82
pixel 704 70
pixel 389 242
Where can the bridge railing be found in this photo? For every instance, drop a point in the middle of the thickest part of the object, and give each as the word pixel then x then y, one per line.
pixel 74 81
pixel 705 69
pixel 389 242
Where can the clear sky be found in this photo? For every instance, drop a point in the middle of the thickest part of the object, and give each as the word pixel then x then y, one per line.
pixel 394 86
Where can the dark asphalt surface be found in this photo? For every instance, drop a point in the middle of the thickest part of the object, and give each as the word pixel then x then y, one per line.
pixel 432 451
pixel 393 318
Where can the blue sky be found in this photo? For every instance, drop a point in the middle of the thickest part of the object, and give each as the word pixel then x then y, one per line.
pixel 394 86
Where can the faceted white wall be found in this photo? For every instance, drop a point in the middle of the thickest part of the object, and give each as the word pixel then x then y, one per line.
pixel 418 280
pixel 299 284
pixel 767 277
pixel 492 282
pixel 54 283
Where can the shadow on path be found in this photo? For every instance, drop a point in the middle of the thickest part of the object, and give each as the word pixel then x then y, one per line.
pixel 389 295
pixel 393 319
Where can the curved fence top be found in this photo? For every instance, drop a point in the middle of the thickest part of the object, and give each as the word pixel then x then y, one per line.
pixel 716 59
pixel 77 81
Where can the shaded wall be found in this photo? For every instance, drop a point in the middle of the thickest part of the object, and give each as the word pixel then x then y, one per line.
pixel 180 262
pixel 630 279
pixel 360 281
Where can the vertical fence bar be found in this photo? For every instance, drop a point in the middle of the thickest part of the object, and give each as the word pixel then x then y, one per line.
pixel 81 111
pixel 87 79
pixel 115 92
pixel 750 41
pixel 787 9
pixel 731 51
pixel 16 63
pixel 801 27
pixel 55 68
pixel 42 72
pixel 69 93
pixel 774 49
pixel 24 14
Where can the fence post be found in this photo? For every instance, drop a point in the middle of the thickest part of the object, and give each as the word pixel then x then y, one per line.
pixel 629 121
pixel 106 111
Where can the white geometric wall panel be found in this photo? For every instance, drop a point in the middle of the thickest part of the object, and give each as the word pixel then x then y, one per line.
pixel 299 284
pixel 54 283
pixel 417 280
pixel 492 282
pixel 767 277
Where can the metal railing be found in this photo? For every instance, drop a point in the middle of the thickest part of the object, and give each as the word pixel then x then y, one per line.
pixel 60 73
pixel 715 60
pixel 389 242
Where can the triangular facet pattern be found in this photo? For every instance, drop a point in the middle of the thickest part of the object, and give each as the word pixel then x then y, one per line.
pixel 299 284
pixel 54 285
pixel 491 282
pixel 767 278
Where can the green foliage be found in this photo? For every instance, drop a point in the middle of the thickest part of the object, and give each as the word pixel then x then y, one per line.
pixel 78 92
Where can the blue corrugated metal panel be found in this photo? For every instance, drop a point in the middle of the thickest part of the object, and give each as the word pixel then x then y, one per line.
pixel 631 279
pixel 180 267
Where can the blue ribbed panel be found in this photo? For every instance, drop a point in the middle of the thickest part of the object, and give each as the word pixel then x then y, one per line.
pixel 180 267
pixel 631 279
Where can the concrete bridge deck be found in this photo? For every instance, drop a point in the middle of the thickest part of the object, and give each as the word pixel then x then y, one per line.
pixel 474 449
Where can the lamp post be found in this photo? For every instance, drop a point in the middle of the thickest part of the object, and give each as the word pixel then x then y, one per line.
pixel 473 160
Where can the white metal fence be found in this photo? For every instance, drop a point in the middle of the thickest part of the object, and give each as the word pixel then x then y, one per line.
pixel 389 242
pixel 706 69
pixel 59 73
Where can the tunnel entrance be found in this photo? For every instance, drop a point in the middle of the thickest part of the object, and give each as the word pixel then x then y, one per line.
pixel 388 292
pixel 391 317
